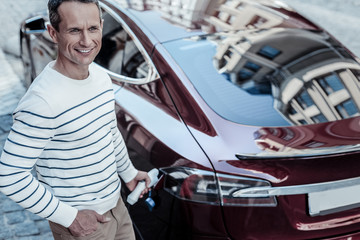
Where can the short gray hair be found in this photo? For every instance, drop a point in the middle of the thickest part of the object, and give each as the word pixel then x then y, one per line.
pixel 53 6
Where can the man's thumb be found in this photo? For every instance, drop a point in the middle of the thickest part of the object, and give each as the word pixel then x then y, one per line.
pixel 102 218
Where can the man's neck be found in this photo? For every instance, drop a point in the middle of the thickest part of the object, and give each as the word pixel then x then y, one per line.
pixel 72 71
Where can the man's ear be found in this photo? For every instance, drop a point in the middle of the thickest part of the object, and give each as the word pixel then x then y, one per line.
pixel 102 24
pixel 52 32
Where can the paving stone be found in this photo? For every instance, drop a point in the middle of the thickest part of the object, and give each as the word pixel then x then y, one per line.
pixel 43 226
pixel 46 236
pixel 9 206
pixel 33 217
pixel 2 142
pixel 3 223
pixel 6 233
pixel 15 217
pixel 26 229
pixel 3 137
pixel 5 123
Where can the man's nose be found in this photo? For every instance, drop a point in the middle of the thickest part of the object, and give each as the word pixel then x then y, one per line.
pixel 85 38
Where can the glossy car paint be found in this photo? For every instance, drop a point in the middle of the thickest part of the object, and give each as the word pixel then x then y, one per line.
pixel 167 123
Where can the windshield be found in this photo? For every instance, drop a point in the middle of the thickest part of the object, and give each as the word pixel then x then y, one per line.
pixel 272 77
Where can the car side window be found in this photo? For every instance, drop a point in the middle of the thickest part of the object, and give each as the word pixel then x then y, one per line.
pixel 119 53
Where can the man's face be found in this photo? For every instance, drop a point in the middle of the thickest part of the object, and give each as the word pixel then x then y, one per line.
pixel 80 33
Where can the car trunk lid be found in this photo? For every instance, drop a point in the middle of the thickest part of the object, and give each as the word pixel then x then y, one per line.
pixel 313 174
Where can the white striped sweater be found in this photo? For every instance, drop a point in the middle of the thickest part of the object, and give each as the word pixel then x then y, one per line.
pixel 67 129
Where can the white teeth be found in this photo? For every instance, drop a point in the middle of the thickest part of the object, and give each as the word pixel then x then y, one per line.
pixel 84 51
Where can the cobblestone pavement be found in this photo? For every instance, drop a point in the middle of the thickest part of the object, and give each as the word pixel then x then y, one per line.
pixel 15 222
pixel 339 17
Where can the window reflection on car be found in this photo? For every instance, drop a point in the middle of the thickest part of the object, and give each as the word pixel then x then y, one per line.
pixel 119 53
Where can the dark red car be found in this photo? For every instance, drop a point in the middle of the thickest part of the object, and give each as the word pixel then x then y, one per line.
pixel 250 111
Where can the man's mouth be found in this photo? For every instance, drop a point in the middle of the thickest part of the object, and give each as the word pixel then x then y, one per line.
pixel 83 50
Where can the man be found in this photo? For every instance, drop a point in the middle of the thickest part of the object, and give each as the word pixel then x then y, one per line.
pixel 66 126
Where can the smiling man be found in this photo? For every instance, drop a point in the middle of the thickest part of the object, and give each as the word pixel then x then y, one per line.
pixel 65 125
pixel 78 36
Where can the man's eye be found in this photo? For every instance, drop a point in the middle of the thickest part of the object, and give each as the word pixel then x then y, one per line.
pixel 93 29
pixel 74 30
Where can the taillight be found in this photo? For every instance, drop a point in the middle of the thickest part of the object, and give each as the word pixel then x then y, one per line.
pixel 207 187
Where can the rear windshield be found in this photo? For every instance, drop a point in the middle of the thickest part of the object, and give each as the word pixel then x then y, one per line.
pixel 275 77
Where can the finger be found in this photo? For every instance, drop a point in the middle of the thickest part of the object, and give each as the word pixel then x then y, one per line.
pixel 148 181
pixel 145 191
pixel 101 218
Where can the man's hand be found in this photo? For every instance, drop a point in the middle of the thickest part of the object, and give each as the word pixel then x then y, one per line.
pixel 141 176
pixel 86 222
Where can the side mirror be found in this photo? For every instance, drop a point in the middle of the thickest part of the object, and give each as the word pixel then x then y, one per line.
pixel 35 25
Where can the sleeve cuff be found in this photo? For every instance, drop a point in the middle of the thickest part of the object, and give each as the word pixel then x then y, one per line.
pixel 129 174
pixel 64 215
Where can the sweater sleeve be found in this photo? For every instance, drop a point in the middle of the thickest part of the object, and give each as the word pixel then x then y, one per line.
pixel 32 129
pixel 125 168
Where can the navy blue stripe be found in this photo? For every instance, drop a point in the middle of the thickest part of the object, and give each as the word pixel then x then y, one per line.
pixel 33 137
pixel 113 134
pixel 23 145
pixel 121 159
pixel 62 134
pixel 52 196
pixel 120 150
pixel 117 187
pixel 37 200
pixel 80 176
pixel 32 179
pixel 30 194
pixel 20 180
pixel 115 140
pixel 11 174
pixel 19 156
pixel 77 148
pixel 73 120
pixel 109 90
pixel 78 195
pixel 112 130
pixel 72 168
pixel 79 139
pixel 125 168
pixel 84 200
pixel 115 190
pixel 77 158
pixel 33 126
pixel 53 211
pixel 46 117
pixel 34 114
pixel 86 185
pixel 13 166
